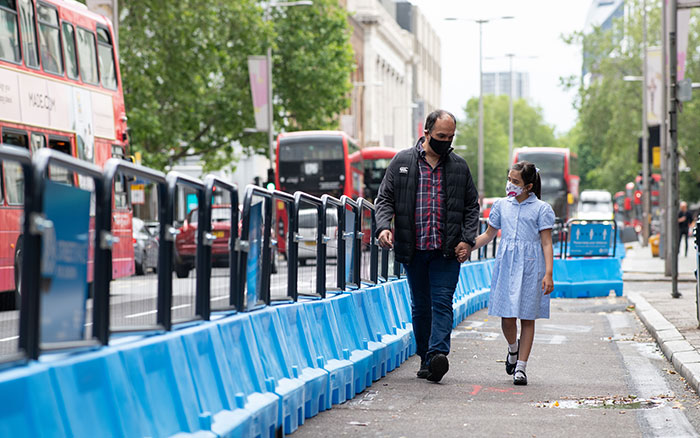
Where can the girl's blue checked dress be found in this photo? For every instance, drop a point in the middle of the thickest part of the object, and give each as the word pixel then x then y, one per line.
pixel 516 285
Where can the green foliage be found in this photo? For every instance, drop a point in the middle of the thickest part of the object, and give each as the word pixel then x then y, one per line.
pixel 609 109
pixel 312 64
pixel 529 129
pixel 185 74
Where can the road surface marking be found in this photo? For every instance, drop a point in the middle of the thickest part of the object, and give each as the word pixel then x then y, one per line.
pixel 11 338
pixel 478 388
pixel 648 383
pixel 565 328
pixel 151 312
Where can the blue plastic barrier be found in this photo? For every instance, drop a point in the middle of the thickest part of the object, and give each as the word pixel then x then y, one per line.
pixel 247 375
pixel 587 277
pixel 214 384
pixel 161 382
pixel 328 342
pixel 96 394
pixel 297 333
pixel 279 376
pixel 354 334
pixel 368 304
pixel 383 300
pixel 28 406
pixel 402 309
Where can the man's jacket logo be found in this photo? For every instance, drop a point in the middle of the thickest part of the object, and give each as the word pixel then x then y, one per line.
pixel 403 169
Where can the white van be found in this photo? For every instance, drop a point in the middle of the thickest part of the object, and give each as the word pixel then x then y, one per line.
pixel 595 204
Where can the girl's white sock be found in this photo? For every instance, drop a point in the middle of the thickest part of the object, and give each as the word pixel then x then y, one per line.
pixel 512 348
pixel 521 366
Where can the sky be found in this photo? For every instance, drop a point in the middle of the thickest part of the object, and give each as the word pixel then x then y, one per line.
pixel 535 32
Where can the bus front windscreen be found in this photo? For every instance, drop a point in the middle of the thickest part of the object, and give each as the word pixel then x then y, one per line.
pixel 554 188
pixel 374 173
pixel 312 165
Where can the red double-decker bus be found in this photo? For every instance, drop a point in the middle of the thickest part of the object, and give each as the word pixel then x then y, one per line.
pixel 375 160
pixel 59 88
pixel 558 174
pixel 318 163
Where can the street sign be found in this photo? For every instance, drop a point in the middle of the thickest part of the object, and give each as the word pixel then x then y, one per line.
pixel 138 193
pixel 590 239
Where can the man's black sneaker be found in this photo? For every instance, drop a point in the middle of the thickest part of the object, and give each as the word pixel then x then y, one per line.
pixel 423 371
pixel 438 365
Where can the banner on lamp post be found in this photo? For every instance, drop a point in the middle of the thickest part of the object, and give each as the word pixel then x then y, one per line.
pixel 257 71
pixel 653 86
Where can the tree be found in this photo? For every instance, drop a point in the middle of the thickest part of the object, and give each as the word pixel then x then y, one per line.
pixel 609 108
pixel 312 65
pixel 529 129
pixel 185 74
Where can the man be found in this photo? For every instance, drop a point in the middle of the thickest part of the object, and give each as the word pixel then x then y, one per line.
pixel 429 193
pixel 685 218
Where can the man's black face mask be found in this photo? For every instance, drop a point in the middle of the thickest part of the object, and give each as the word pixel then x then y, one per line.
pixel 439 146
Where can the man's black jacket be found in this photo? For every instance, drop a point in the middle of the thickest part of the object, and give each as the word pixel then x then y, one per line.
pixel 397 200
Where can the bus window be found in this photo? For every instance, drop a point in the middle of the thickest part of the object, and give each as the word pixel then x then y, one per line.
pixel 14 138
pixel 57 173
pixel 14 183
pixel 106 57
pixel 9 34
pixel 38 141
pixel 28 29
pixel 49 39
pixel 87 56
pixel 69 51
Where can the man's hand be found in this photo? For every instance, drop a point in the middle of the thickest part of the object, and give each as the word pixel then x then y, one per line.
pixel 547 284
pixel 386 239
pixel 463 251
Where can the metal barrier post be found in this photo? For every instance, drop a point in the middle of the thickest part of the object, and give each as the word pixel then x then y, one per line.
pixel 244 247
pixel 174 179
pixel 213 183
pixel 37 226
pixel 362 205
pixel 292 263
pixel 352 237
pixel 300 197
pixel 330 201
pixel 103 223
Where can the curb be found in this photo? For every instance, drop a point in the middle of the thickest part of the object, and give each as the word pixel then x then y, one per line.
pixel 683 356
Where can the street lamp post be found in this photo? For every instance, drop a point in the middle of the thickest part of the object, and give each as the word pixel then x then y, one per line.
pixel 480 172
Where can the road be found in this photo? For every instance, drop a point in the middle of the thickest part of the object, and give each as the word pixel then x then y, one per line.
pixel 133 300
pixel 590 354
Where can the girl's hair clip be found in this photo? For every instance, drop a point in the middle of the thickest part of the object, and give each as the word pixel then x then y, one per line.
pixel 537 169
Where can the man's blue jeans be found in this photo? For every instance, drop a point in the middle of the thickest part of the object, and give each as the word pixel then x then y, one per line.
pixel 433 279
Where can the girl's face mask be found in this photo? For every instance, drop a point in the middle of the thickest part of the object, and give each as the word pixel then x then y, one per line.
pixel 513 190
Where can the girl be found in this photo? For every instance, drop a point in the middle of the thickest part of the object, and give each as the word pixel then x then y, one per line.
pixel 522 275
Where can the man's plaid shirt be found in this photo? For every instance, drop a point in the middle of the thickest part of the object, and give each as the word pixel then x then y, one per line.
pixel 430 203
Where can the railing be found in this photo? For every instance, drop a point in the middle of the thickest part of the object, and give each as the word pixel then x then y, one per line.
pixel 212 252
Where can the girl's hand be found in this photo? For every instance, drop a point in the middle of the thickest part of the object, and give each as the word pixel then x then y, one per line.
pixel 547 284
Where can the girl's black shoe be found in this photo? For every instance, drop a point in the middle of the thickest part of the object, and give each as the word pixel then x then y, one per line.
pixel 510 367
pixel 520 378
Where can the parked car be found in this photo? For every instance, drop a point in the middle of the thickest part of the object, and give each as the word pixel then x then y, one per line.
pixel 595 204
pixel 145 247
pixel 307 228
pixel 186 241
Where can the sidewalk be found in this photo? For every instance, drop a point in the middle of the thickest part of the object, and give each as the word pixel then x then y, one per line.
pixel 672 321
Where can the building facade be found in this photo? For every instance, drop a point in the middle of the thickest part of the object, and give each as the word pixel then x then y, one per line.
pixel 499 83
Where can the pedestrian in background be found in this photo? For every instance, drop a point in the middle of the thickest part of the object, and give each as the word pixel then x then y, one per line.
pixel 685 220
pixel 522 275
pixel 429 193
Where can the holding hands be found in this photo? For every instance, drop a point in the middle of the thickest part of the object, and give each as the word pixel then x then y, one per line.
pixel 463 251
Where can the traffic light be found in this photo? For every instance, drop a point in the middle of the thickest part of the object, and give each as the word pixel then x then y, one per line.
pixel 270 184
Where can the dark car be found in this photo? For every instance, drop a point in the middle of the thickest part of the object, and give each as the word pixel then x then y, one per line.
pixel 145 247
pixel 186 241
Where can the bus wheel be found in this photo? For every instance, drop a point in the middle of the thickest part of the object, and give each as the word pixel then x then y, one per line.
pixel 18 274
